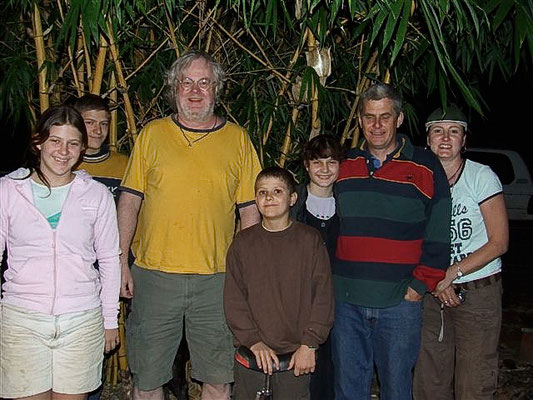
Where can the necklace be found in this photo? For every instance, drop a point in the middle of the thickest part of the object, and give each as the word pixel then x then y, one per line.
pixel 276 230
pixel 191 142
pixel 452 178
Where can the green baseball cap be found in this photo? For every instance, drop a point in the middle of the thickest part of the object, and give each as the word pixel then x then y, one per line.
pixel 452 114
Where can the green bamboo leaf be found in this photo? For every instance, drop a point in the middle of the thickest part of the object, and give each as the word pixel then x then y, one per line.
pixel 433 29
pixel 523 24
pixel 444 7
pixel 91 15
pixel 323 27
pixel 312 23
pixel 467 93
pixel 268 15
pixel 501 13
pixel 313 4
pixel 422 48
pixel 443 57
pixel 69 30
pixel 287 17
pixel 272 17
pixel 246 21
pixel 309 81
pixel 394 16
pixel 252 10
pixel 352 6
pixel 362 27
pixel 334 11
pixel 378 22
pixel 473 16
pixel 492 5
pixel 117 16
pixel 459 17
pixel 402 30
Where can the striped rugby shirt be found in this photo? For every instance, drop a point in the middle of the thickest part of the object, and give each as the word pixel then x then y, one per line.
pixel 394 225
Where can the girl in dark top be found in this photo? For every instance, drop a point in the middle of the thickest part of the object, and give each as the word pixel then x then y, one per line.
pixel 315 206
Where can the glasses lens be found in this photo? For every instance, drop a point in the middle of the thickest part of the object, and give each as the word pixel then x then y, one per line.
pixel 187 83
pixel 204 84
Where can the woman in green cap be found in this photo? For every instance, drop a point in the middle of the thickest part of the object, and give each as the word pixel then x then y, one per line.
pixel 459 352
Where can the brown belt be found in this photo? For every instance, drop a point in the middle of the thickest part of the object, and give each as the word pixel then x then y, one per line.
pixel 480 283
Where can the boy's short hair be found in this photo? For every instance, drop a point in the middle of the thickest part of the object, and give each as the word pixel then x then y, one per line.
pixel 322 146
pixel 91 102
pixel 279 173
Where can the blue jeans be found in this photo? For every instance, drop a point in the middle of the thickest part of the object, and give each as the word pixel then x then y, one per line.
pixel 387 337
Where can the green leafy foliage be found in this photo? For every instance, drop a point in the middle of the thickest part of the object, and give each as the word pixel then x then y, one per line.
pixel 426 47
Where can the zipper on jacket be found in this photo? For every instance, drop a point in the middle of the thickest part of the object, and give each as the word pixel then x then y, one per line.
pixel 55 271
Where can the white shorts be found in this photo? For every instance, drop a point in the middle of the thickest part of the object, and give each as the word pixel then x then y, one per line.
pixel 39 352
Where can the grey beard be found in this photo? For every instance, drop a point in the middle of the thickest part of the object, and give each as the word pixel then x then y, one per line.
pixel 197 116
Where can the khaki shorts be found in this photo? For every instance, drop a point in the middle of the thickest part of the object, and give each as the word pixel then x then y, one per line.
pixel 41 352
pixel 161 302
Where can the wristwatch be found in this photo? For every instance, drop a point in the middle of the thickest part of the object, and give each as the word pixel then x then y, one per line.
pixel 459 272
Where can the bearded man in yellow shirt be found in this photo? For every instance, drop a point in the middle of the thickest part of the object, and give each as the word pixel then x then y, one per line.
pixel 186 175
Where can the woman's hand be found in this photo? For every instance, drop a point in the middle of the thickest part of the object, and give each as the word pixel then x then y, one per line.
pixel 112 339
pixel 264 356
pixel 451 275
pixel 303 360
pixel 448 297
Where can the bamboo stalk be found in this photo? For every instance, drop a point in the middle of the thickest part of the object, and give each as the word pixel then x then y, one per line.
pixel 283 88
pixel 108 369
pixel 122 358
pixel 199 31
pixel 361 86
pixel 99 67
pixel 353 109
pixel 81 65
pixel 386 79
pixel 153 102
pixel 315 122
pixel 57 86
pixel 41 58
pixel 252 54
pixel 211 32
pixel 113 126
pixel 258 124
pixel 114 369
pixel 88 66
pixel 130 118
pixel 171 34
pixel 147 59
pixel 75 73
pixel 287 140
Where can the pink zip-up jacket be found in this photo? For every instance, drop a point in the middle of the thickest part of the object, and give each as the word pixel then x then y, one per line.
pixel 51 271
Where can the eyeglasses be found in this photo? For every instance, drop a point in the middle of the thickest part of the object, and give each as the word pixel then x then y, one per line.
pixel 203 84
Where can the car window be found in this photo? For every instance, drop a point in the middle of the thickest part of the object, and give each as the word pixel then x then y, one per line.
pixel 498 162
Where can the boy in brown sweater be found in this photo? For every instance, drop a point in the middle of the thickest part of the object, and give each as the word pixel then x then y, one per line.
pixel 278 295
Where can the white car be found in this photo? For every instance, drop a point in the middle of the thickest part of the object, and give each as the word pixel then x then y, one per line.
pixel 515 178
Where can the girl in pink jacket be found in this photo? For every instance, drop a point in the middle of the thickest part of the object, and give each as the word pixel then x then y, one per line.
pixel 58 313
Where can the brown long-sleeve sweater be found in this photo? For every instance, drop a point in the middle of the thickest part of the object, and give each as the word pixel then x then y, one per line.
pixel 278 288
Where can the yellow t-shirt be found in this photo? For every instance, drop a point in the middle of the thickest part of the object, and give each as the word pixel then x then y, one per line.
pixel 190 189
